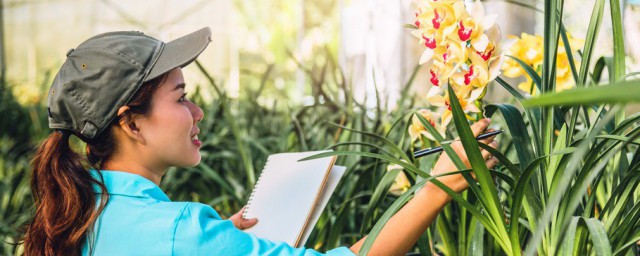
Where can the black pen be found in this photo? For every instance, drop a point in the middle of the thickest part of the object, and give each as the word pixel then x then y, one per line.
pixel 429 151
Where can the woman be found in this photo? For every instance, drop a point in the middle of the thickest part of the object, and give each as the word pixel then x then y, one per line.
pixel 123 94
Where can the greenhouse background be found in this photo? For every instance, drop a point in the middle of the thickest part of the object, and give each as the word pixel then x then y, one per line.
pixel 300 75
pixel 366 37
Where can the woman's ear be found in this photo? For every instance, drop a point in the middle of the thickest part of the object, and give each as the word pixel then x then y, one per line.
pixel 128 125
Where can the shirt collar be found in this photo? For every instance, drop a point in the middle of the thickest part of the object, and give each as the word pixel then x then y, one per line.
pixel 129 184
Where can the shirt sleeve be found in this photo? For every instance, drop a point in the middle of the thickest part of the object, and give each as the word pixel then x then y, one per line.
pixel 200 231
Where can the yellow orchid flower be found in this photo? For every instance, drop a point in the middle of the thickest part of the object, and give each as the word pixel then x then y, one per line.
pixel 435 21
pixel 467 95
pixel 471 27
pixel 462 50
pixel 529 49
pixel 564 78
pixel 416 128
pixel 439 16
pixel 477 76
pixel 439 72
pixel 451 52
pixel 401 183
pixel 492 57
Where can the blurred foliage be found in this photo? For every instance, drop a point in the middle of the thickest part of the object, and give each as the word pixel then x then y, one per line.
pixel 300 32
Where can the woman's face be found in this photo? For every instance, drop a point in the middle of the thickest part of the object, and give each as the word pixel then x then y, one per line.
pixel 170 131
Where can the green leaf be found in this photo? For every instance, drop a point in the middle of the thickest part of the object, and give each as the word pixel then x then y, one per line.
pixel 537 80
pixel 518 196
pixel 517 130
pixel 411 26
pixel 569 51
pixel 618 41
pixel 569 238
pixel 380 138
pixel 514 92
pixel 621 92
pixel 476 247
pixel 626 246
pixel 590 40
pixel 598 237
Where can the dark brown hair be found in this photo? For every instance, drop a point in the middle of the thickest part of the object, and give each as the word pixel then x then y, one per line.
pixel 63 188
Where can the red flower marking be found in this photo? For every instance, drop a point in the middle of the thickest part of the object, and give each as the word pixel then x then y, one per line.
pixel 429 42
pixel 463 32
pixel 469 76
pixel 434 78
pixel 445 55
pixel 446 103
pixel 417 23
pixel 486 55
pixel 437 19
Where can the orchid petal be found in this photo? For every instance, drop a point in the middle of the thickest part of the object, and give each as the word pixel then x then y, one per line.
pixel 477 11
pixel 489 21
pixel 472 107
pixel 446 118
pixel 426 56
pixel 480 43
pixel 475 94
pixel 437 100
pixel 494 67
pixel 433 91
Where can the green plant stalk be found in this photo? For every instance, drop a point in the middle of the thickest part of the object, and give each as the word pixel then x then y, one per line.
pixel 463 227
pixel 552 19
pixel 487 187
pixel 618 70
pixel 446 234
pixel 520 136
pixel 574 72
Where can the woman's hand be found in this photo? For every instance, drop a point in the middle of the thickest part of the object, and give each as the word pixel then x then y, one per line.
pixel 444 164
pixel 242 223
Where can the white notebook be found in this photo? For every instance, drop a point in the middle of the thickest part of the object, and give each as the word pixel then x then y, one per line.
pixel 289 196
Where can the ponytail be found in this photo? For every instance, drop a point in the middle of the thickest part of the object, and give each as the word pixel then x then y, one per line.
pixel 63 189
pixel 65 203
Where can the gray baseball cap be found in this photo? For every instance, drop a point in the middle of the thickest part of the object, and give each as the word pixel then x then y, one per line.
pixel 103 73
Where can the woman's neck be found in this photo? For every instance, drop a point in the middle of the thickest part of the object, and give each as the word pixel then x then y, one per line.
pixel 152 174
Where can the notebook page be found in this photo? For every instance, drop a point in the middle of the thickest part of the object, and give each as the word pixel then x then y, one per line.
pixel 285 194
pixel 334 178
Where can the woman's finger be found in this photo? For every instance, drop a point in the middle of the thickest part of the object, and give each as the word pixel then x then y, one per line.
pixel 478 127
pixel 247 223
pixel 489 139
pixel 492 162
pixel 485 153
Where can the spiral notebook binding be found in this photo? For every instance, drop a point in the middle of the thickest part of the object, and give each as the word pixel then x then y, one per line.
pixel 255 187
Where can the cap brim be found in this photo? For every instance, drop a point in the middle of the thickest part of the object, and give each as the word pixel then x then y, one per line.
pixel 180 52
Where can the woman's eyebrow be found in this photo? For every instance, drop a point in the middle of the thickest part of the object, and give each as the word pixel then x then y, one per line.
pixel 179 86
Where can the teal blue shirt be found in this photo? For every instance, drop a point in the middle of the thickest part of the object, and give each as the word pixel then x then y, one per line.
pixel 139 219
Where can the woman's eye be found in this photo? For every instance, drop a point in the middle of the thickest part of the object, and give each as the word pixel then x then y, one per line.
pixel 183 98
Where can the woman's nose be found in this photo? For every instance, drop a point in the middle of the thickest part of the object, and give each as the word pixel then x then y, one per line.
pixel 196 112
